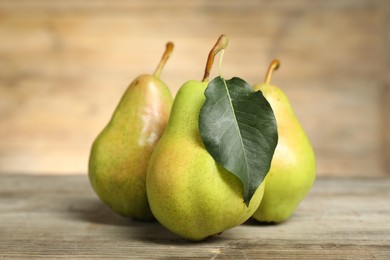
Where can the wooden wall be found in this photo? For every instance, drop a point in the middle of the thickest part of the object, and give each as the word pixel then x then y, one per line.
pixel 65 64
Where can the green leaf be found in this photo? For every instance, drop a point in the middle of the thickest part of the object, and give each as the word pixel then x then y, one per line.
pixel 239 130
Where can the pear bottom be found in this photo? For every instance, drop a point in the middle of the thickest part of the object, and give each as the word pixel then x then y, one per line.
pixel 126 198
pixel 281 198
pixel 191 195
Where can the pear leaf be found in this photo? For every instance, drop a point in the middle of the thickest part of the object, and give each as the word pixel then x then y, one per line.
pixel 239 130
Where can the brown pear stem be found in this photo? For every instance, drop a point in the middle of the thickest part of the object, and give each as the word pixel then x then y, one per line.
pixel 221 44
pixel 166 55
pixel 275 64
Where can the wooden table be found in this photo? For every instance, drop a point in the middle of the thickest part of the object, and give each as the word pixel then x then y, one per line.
pixel 61 217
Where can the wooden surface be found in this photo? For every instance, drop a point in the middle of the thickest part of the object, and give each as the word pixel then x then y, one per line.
pixel 60 216
pixel 65 64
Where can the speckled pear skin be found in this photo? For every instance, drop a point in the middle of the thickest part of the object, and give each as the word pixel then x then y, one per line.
pixel 293 167
pixel 120 154
pixel 188 192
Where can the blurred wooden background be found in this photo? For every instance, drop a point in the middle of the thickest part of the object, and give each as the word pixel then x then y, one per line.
pixel 65 64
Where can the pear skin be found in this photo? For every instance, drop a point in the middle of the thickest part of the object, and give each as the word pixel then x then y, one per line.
pixel 121 152
pixel 293 167
pixel 188 192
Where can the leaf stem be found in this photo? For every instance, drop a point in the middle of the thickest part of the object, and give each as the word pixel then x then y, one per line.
pixel 167 53
pixel 221 44
pixel 275 64
pixel 220 63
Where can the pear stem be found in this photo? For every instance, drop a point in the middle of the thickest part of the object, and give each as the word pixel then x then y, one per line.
pixel 221 44
pixel 166 55
pixel 275 64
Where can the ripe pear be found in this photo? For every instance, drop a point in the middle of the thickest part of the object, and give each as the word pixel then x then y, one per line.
pixel 293 167
pixel 121 152
pixel 188 192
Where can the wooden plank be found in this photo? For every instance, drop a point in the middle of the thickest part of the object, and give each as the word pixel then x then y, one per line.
pixel 60 216
pixel 64 66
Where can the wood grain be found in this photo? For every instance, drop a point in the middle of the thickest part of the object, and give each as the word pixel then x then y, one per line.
pixel 65 64
pixel 60 217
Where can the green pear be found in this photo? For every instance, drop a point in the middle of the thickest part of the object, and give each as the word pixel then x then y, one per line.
pixel 188 192
pixel 121 152
pixel 293 166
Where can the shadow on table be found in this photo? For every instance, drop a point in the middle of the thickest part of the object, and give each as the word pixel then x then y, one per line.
pixel 253 222
pixel 92 210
